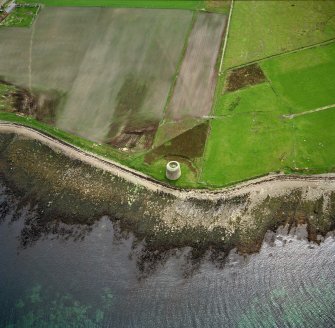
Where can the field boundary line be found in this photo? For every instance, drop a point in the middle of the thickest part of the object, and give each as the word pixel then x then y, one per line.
pixel 214 99
pixel 232 113
pixel 30 63
pixel 319 44
pixel 226 36
pixel 177 71
pixel 291 116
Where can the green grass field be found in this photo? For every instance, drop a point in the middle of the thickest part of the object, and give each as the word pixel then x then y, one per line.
pixel 250 137
pixel 244 146
pixel 304 80
pixel 161 4
pixel 264 28
pixel 315 142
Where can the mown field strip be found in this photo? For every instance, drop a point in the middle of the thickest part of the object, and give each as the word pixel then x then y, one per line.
pixel 282 54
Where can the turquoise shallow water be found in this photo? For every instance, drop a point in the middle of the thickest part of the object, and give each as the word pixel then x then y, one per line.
pixel 95 282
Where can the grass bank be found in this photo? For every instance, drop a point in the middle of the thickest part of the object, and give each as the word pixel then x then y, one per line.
pixel 218 6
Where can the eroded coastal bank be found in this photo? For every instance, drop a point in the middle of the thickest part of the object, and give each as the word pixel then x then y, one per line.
pixel 70 188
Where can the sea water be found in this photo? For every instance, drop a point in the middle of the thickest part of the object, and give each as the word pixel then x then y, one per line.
pixel 94 281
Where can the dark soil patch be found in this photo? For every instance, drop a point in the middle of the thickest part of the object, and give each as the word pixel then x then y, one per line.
pixel 135 137
pixel 40 105
pixel 189 145
pixel 244 76
pixel 129 128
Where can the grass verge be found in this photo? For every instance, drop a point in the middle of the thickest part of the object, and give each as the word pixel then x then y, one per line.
pixel 84 144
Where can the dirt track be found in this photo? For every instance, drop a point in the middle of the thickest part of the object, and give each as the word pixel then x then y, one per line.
pixel 272 184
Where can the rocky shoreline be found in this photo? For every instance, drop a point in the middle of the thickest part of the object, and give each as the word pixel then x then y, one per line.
pixel 70 187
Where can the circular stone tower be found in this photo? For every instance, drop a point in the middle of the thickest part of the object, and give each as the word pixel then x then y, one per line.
pixel 173 171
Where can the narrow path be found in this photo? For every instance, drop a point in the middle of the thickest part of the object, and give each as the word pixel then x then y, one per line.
pixel 291 116
pixel 226 36
pixel 258 185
